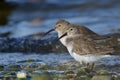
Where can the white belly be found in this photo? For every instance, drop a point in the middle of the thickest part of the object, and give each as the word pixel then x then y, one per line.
pixel 88 58
pixel 85 58
pixel 63 41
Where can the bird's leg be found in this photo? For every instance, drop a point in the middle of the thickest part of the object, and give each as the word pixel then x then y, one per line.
pixel 90 67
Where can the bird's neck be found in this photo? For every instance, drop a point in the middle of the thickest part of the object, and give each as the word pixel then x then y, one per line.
pixel 63 39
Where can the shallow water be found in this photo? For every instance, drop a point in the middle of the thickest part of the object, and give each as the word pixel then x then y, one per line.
pixel 52 66
pixel 49 59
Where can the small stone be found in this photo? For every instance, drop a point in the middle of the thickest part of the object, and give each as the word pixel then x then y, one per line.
pixel 116 77
pixel 30 60
pixel 21 78
pixel 70 75
pixel 33 66
pixel 14 67
pixel 103 73
pixel 21 75
pixel 97 77
pixel 82 78
pixel 43 76
pixel 8 74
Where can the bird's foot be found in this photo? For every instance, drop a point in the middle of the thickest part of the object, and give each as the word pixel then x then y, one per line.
pixel 88 68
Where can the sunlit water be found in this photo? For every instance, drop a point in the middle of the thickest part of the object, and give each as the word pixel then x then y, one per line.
pixel 49 59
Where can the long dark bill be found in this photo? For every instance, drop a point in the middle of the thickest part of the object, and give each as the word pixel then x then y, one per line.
pixel 62 36
pixel 48 32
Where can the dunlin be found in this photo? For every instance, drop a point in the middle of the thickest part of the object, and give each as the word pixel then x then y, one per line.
pixel 62 26
pixel 84 49
pixel 84 45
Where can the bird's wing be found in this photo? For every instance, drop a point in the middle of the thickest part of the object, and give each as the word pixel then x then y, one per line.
pixel 89 33
pixel 84 45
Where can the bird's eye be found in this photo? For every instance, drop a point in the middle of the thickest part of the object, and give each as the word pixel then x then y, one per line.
pixel 59 25
pixel 71 29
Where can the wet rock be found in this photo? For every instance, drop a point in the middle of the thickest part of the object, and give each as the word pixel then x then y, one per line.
pixel 21 78
pixel 6 34
pixel 103 72
pixel 21 75
pixel 8 74
pixel 47 67
pixel 116 77
pixel 46 45
pixel 43 76
pixel 32 65
pixel 99 77
pixel 70 75
pixel 27 45
pixel 23 45
pixel 82 78
pixel 30 60
pixel 13 67
pixel 7 78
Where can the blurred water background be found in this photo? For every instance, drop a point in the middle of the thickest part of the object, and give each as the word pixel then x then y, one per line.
pixel 24 18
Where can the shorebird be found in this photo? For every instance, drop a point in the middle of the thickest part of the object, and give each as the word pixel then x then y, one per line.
pixel 83 49
pixel 62 26
pixel 89 46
